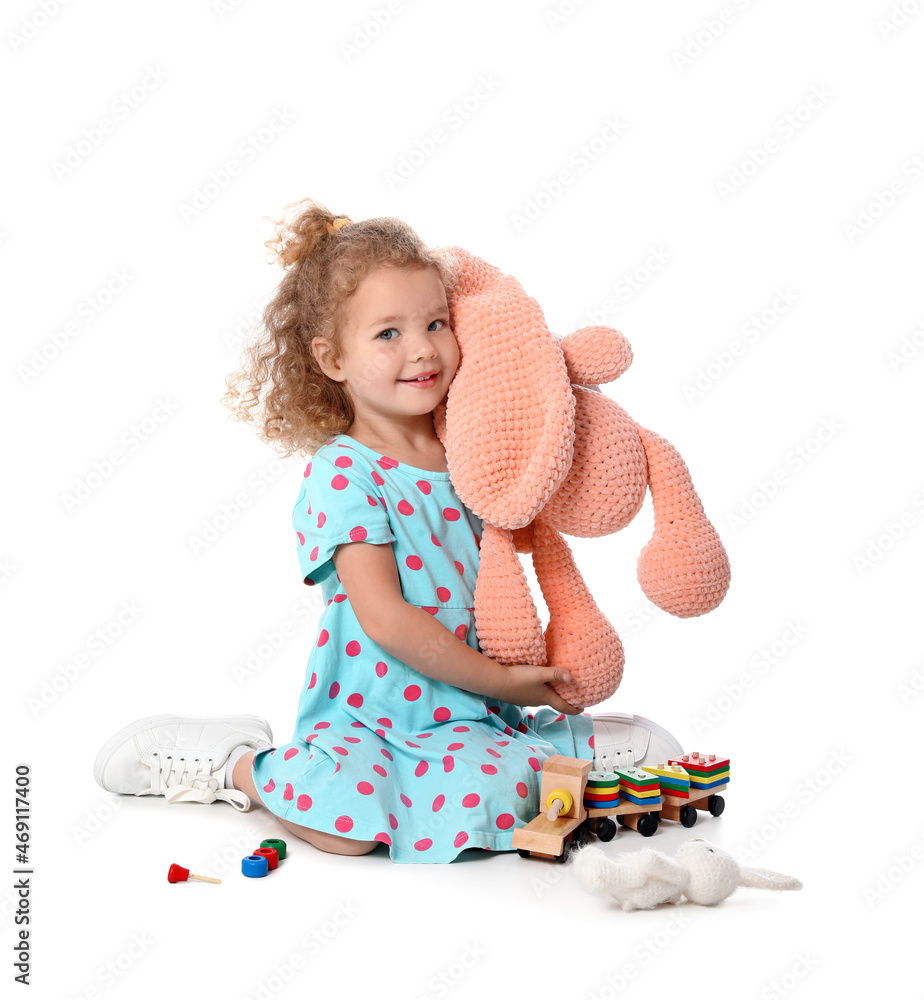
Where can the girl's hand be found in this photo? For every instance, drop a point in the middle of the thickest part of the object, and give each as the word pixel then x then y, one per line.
pixel 525 684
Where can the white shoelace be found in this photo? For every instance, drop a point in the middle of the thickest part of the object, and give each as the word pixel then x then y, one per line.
pixel 182 780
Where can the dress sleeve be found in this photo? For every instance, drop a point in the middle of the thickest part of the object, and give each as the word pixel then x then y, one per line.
pixel 337 503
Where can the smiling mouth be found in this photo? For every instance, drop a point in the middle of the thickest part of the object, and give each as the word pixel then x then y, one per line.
pixel 429 378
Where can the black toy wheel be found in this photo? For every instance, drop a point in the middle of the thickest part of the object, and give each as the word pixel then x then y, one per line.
pixel 716 805
pixel 606 828
pixel 581 834
pixel 621 820
pixel 522 853
pixel 647 825
pixel 565 848
pixel 688 816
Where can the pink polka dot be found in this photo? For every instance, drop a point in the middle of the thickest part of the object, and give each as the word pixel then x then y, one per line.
pixel 489 769
pixel 451 514
pixel 413 562
pixel 303 802
pixel 381 669
pixel 334 690
pixel 508 731
pixel 421 769
pixel 378 479
pixel 384 722
pixel 504 821
pixel 438 802
pixel 271 786
pixel 455 746
pixel 436 541
pixel 313 681
pixel 460 729
pixel 290 753
pixel 364 788
pixel 416 746
pixel 380 770
pixel 342 751
pixel 372 501
pixel 590 743
pixel 502 743
pixel 460 568
pixel 313 554
pixel 323 636
pixel 355 699
pixel 443 593
pixel 385 753
pixel 289 793
pixel 322 519
pixel 423 845
pixel 301 538
pixel 534 764
pixel 393 821
pixel 352 739
pixel 430 611
pixel 470 800
pixel 461 838
pixel 340 482
pixel 343 461
pixel 353 648
pixel 388 463
pixel 423 736
pixel 522 790
pixel 559 717
pixel 492 751
pixel 461 632
pixel 412 692
pixel 405 508
pixel 358 534
pixel 383 837
pixel 406 800
pixel 344 824
pixel 307 472
pixel 322 725
pixel 448 763
pixel 442 714
pixel 423 486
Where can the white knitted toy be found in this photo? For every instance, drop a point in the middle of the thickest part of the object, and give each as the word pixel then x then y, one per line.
pixel 700 871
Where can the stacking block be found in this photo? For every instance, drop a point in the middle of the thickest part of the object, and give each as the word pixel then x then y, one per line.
pixel 673 779
pixel 706 771
pixel 638 786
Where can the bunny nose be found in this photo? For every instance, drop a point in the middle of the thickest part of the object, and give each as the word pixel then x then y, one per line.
pixel 697 840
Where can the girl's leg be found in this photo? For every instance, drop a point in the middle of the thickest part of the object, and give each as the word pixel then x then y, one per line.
pixel 242 777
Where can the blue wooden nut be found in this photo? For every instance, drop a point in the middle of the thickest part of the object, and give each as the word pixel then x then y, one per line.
pixel 254 866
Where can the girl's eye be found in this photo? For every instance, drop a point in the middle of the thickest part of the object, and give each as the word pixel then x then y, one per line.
pixel 391 329
pixel 437 321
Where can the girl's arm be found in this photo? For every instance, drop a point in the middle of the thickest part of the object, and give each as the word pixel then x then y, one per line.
pixel 370 579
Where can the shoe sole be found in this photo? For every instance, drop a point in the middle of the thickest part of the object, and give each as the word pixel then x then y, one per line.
pixel 152 721
pixel 655 729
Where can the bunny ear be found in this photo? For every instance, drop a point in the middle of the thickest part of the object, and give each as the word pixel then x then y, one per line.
pixel 762 878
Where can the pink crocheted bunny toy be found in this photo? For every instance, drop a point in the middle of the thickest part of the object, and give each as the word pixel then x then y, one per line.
pixel 537 451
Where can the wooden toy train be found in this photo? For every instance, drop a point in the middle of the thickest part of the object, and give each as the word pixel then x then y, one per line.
pixel 579 801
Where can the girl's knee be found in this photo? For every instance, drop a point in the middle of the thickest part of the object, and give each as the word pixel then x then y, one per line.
pixel 331 843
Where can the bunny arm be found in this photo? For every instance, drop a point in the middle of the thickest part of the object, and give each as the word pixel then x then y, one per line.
pixel 763 878
pixel 684 567
pixel 595 355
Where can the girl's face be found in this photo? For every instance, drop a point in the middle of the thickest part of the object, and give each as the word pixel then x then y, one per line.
pixel 396 328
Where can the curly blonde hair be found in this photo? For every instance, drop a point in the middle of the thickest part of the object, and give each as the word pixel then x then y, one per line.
pixel 298 408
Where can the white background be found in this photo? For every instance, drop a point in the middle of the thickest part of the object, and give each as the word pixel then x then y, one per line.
pixel 804 444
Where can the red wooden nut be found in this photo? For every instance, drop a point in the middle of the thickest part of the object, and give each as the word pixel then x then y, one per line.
pixel 271 855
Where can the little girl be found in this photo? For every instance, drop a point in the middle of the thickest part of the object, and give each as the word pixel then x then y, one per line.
pixel 406 734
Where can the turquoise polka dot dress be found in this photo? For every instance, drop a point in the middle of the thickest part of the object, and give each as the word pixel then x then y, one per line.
pixel 380 751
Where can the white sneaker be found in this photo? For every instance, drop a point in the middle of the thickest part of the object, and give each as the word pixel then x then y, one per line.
pixel 184 759
pixel 628 740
